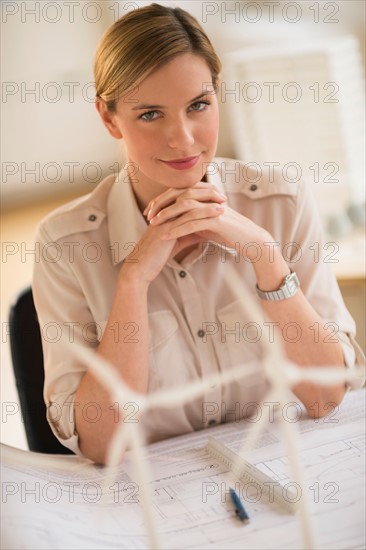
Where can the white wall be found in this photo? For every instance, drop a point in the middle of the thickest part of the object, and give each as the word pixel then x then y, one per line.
pixel 55 44
pixel 58 124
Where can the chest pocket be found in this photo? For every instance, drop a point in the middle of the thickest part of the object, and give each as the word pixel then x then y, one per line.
pixel 170 360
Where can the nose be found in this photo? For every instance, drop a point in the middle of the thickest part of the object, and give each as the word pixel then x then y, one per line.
pixel 180 134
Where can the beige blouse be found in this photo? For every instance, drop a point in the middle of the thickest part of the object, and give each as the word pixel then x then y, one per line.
pixel 199 321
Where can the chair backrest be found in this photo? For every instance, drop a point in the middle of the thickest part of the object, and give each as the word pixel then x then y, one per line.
pixel 27 357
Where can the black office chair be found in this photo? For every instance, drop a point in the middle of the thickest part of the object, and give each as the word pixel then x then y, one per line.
pixel 27 356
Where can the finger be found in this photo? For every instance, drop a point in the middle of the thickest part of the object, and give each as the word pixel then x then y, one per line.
pixel 189 200
pixel 171 195
pixel 183 205
pixel 174 210
pixel 193 222
pixel 203 194
pixel 165 198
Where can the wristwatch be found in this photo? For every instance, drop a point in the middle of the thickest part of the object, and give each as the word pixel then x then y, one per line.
pixel 290 285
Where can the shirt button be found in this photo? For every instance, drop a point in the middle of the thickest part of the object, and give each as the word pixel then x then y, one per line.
pixel 253 187
pixel 212 422
pixel 182 274
pixel 201 333
pixel 92 217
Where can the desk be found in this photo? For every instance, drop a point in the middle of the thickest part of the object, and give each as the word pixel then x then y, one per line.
pixel 59 501
pixel 349 268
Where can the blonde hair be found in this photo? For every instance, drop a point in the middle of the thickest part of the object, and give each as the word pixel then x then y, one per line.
pixel 143 40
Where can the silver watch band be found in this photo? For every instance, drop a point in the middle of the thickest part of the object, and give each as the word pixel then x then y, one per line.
pixel 288 288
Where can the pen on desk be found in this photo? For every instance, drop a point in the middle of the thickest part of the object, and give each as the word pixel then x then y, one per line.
pixel 239 508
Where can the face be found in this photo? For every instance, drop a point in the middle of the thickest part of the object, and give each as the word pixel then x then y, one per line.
pixel 173 115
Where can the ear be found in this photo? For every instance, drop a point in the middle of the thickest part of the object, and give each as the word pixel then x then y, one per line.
pixel 108 118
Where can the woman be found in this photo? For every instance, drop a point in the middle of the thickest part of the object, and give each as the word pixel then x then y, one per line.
pixel 153 265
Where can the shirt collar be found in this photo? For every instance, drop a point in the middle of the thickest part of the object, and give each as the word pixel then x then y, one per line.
pixel 126 224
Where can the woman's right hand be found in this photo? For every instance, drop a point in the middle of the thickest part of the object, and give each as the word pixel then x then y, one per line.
pixel 151 252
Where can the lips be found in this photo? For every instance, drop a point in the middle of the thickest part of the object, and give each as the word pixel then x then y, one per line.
pixel 182 164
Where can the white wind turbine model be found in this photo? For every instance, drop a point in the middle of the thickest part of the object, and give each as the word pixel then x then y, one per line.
pixel 281 374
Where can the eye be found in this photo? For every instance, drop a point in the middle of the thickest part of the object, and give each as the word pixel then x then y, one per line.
pixel 199 105
pixel 148 116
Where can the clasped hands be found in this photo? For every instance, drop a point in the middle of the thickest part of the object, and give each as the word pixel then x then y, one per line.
pixel 202 210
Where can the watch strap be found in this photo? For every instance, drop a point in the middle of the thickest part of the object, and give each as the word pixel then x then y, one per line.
pixel 290 285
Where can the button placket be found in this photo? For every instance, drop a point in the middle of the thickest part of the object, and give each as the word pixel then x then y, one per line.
pixel 193 309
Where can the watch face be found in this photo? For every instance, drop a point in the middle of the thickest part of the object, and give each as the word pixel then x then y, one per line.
pixel 293 282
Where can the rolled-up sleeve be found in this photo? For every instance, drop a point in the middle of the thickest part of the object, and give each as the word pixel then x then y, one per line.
pixel 63 315
pixel 312 258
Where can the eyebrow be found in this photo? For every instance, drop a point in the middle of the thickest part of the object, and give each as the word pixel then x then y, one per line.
pixel 144 106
